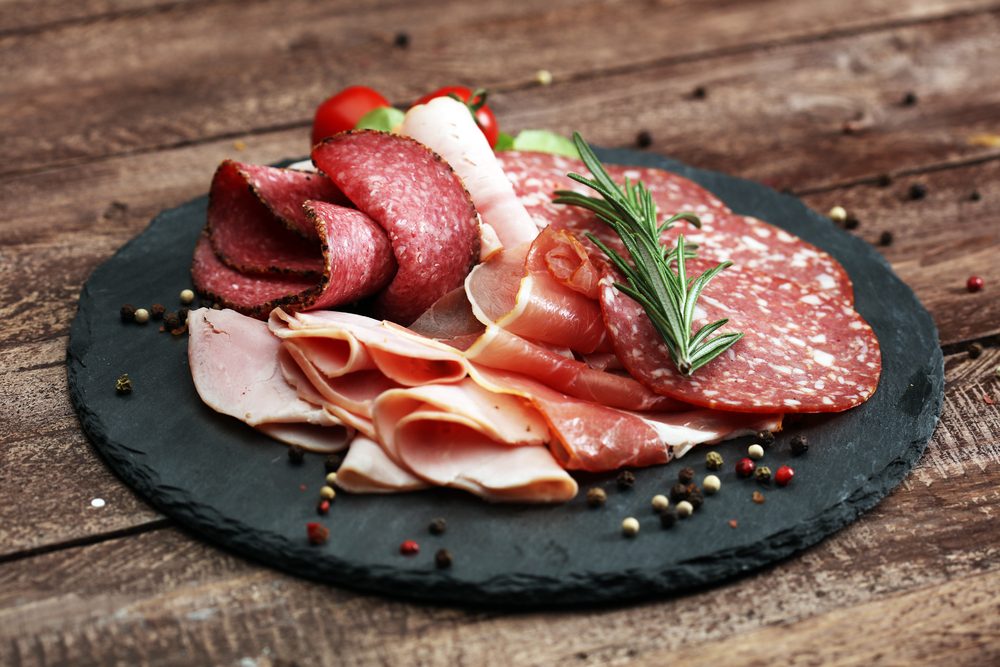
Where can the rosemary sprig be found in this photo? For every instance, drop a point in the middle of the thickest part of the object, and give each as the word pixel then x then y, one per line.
pixel 657 276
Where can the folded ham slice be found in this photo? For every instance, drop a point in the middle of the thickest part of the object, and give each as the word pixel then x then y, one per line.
pixel 368 469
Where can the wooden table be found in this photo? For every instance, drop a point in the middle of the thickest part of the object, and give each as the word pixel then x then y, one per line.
pixel 112 110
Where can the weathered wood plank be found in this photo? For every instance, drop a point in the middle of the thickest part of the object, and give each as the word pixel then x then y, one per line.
pixel 32 15
pixel 136 600
pixel 205 71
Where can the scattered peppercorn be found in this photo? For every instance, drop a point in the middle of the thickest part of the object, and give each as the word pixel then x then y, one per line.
pixel 187 296
pixel 296 454
pixel 684 509
pixel 543 77
pixel 883 180
pixel 442 559
pixel 918 191
pixel 630 526
pixel 755 451
pixel 685 475
pixel 626 480
pixel 127 312
pixel 799 445
pixel 758 497
pixel 733 523
pixel 182 314
pixel 762 475
pixel 711 484
pixel 668 518
pixel 838 214
pixel 695 498
pixel 409 548
pixel 784 475
pixel 713 461
pixel 909 99
pixel 974 283
pixel 644 139
pixel 678 492
pixel 171 321
pixel 402 40
pixel 331 478
pixel 596 497
pixel 885 239
pixel 327 493
pixel 699 93
pixel 975 196
pixel 332 462
pixel 975 351
pixel 141 315
pixel 437 526
pixel 156 311
pixel 766 438
pixel 317 533
pixel 660 502
pixel 852 222
pixel 123 385
pixel 745 467
pixel 323 507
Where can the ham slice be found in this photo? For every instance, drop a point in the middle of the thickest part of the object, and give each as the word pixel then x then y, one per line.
pixel 367 469
pixel 220 343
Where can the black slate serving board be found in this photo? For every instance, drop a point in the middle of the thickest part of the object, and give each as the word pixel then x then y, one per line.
pixel 236 488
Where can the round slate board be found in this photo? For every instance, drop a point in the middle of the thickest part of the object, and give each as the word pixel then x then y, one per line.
pixel 236 488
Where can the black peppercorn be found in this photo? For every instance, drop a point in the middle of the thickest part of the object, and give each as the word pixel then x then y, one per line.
pixel 626 480
pixel 156 311
pixel 975 196
pixel 332 462
pixel 644 139
pixel 765 438
pixel 909 99
pixel 685 475
pixel 852 222
pixel 883 180
pixel 975 350
pixel 596 497
pixel 799 445
pixel 918 191
pixel 885 239
pixel 695 497
pixel 668 518
pixel 699 93
pixel 402 40
pixel 442 558
pixel 171 321
pixel 127 313
pixel 437 527
pixel 182 315
pixel 762 474
pixel 296 454
pixel 678 492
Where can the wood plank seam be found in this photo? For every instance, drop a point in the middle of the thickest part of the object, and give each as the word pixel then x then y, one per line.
pixel 96 538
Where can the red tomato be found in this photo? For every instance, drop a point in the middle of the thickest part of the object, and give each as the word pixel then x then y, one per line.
pixel 343 111
pixel 485 119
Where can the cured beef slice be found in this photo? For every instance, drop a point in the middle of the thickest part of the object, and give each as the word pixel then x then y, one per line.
pixel 419 202
pixel 802 351
pixel 724 235
pixel 356 261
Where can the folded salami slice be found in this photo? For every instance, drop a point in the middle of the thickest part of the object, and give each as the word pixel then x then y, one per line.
pixel 257 223
pixel 802 351
pixel 356 262
pixel 724 235
pixel 419 202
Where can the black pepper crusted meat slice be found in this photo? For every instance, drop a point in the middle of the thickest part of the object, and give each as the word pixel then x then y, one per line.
pixel 802 351
pixel 422 205
pixel 357 262
pixel 746 241
pixel 256 221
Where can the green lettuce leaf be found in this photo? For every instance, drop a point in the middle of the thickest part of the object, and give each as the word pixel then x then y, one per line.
pixel 384 119
pixel 543 141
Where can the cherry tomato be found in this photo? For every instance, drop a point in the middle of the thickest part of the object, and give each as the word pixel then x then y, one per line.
pixel 485 119
pixel 343 111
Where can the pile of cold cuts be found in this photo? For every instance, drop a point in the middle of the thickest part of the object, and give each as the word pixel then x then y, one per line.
pixel 486 347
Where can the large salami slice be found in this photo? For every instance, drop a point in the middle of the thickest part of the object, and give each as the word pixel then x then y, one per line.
pixel 256 221
pixel 724 235
pixel 802 351
pixel 355 257
pixel 422 205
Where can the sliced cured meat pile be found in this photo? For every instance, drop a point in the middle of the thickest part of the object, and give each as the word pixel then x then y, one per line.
pixel 802 351
pixel 421 204
pixel 724 235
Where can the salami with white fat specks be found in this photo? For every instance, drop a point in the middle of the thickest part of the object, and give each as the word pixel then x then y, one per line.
pixel 421 204
pixel 802 351
pixel 724 235
pixel 256 221
pixel 355 258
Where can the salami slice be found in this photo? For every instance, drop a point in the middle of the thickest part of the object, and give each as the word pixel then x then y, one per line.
pixel 256 221
pixel 422 205
pixel 802 351
pixel 746 241
pixel 356 259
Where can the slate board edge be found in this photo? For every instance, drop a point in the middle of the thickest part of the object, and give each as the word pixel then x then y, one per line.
pixel 513 591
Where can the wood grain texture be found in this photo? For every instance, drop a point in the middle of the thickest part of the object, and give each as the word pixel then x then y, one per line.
pixel 204 71
pixel 136 600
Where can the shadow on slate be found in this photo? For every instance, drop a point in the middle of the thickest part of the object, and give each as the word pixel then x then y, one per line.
pixel 236 488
